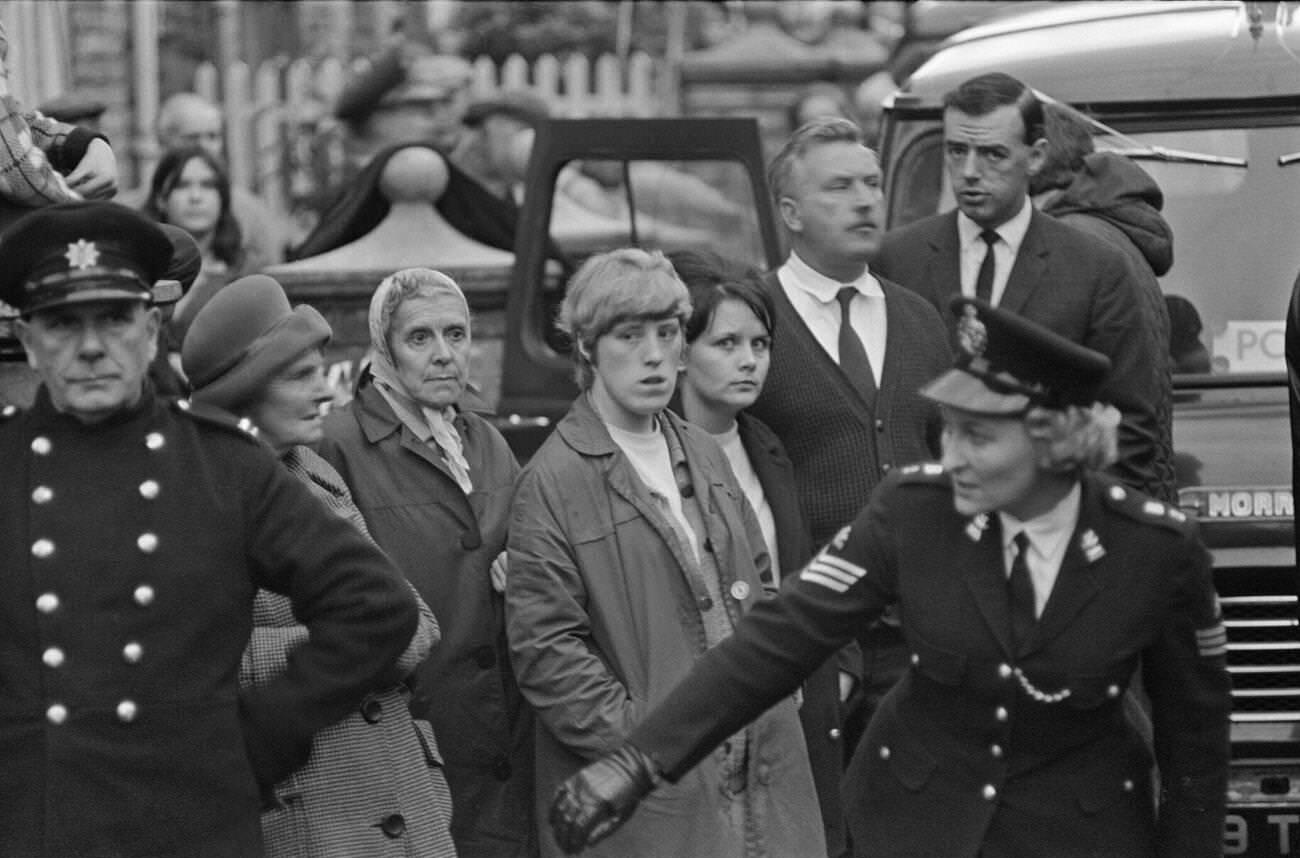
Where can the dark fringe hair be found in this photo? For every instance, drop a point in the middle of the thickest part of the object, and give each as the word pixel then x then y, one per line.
pixel 227 237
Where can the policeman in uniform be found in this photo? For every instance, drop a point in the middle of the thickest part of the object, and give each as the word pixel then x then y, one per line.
pixel 134 533
pixel 1030 588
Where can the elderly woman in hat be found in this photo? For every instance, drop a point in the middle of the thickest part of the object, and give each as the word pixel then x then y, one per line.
pixel 434 481
pixel 373 784
pixel 1030 589
pixel 632 553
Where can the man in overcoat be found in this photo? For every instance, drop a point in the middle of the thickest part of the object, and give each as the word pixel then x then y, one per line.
pixel 134 533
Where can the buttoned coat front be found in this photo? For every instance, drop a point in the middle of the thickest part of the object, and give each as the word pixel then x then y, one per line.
pixel 985 749
pixel 373 785
pixel 603 620
pixel 445 542
pixel 130 553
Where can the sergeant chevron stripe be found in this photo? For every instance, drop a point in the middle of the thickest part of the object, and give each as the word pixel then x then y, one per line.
pixel 832 572
pixel 1212 642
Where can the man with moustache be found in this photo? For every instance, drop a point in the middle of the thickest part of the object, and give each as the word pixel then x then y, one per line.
pixel 851 352
pixel 996 247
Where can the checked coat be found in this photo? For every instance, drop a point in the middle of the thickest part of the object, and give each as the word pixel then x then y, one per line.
pixel 373 784
pixel 985 750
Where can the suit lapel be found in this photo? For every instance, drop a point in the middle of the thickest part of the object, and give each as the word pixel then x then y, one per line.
pixel 943 268
pixel 1079 580
pixel 1030 270
pixel 985 575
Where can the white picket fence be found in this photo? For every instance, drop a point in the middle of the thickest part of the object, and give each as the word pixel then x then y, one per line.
pixel 284 143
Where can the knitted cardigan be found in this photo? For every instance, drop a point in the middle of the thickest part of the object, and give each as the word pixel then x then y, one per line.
pixel 840 445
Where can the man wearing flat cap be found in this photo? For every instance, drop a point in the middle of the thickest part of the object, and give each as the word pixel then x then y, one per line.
pixel 408 97
pixel 134 533
pixel 1030 589
pixel 498 139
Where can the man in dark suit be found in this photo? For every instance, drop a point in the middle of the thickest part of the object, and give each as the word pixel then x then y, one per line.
pixel 842 399
pixel 134 533
pixel 995 246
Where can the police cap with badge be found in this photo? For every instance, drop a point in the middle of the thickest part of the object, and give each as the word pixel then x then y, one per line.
pixel 1007 364
pixel 86 251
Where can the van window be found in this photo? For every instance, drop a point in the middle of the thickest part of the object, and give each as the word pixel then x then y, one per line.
pixel 1236 254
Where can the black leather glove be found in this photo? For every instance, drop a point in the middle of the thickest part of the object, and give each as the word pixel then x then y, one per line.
pixel 593 803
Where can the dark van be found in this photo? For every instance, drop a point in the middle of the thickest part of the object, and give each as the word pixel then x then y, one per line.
pixel 1206 96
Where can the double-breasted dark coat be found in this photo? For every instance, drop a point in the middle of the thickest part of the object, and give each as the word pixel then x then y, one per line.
pixel 982 749
pixel 445 542
pixel 130 553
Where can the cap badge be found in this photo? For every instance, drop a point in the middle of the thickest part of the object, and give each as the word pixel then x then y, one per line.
pixel 82 254
pixel 972 336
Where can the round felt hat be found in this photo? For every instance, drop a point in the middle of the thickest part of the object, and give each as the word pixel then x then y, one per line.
pixel 243 336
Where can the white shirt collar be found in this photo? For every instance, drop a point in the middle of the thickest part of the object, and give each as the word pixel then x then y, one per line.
pixel 823 288
pixel 1012 233
pixel 1049 531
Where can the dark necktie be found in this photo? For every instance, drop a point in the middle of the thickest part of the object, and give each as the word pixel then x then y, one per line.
pixel 1020 593
pixel 853 356
pixel 984 282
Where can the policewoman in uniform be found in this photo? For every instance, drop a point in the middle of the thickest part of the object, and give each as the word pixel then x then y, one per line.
pixel 1029 587
pixel 134 533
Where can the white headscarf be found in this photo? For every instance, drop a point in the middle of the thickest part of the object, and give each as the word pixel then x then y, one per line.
pixel 424 422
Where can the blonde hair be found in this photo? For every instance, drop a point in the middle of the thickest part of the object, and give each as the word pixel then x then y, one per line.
pixel 612 288
pixel 1076 437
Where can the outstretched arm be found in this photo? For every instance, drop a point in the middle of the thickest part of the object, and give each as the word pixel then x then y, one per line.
pixel 774 648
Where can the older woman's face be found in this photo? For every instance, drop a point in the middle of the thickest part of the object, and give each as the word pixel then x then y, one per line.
pixel 429 338
pixel 993 463
pixel 636 367
pixel 291 409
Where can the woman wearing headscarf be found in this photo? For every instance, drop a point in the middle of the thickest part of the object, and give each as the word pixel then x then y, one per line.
pixel 1031 588
pixel 632 553
pixel 434 482
pixel 373 784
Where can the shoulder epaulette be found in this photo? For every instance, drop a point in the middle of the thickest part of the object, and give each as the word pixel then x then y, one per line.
pixel 210 415
pixel 1145 509
pixel 927 473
